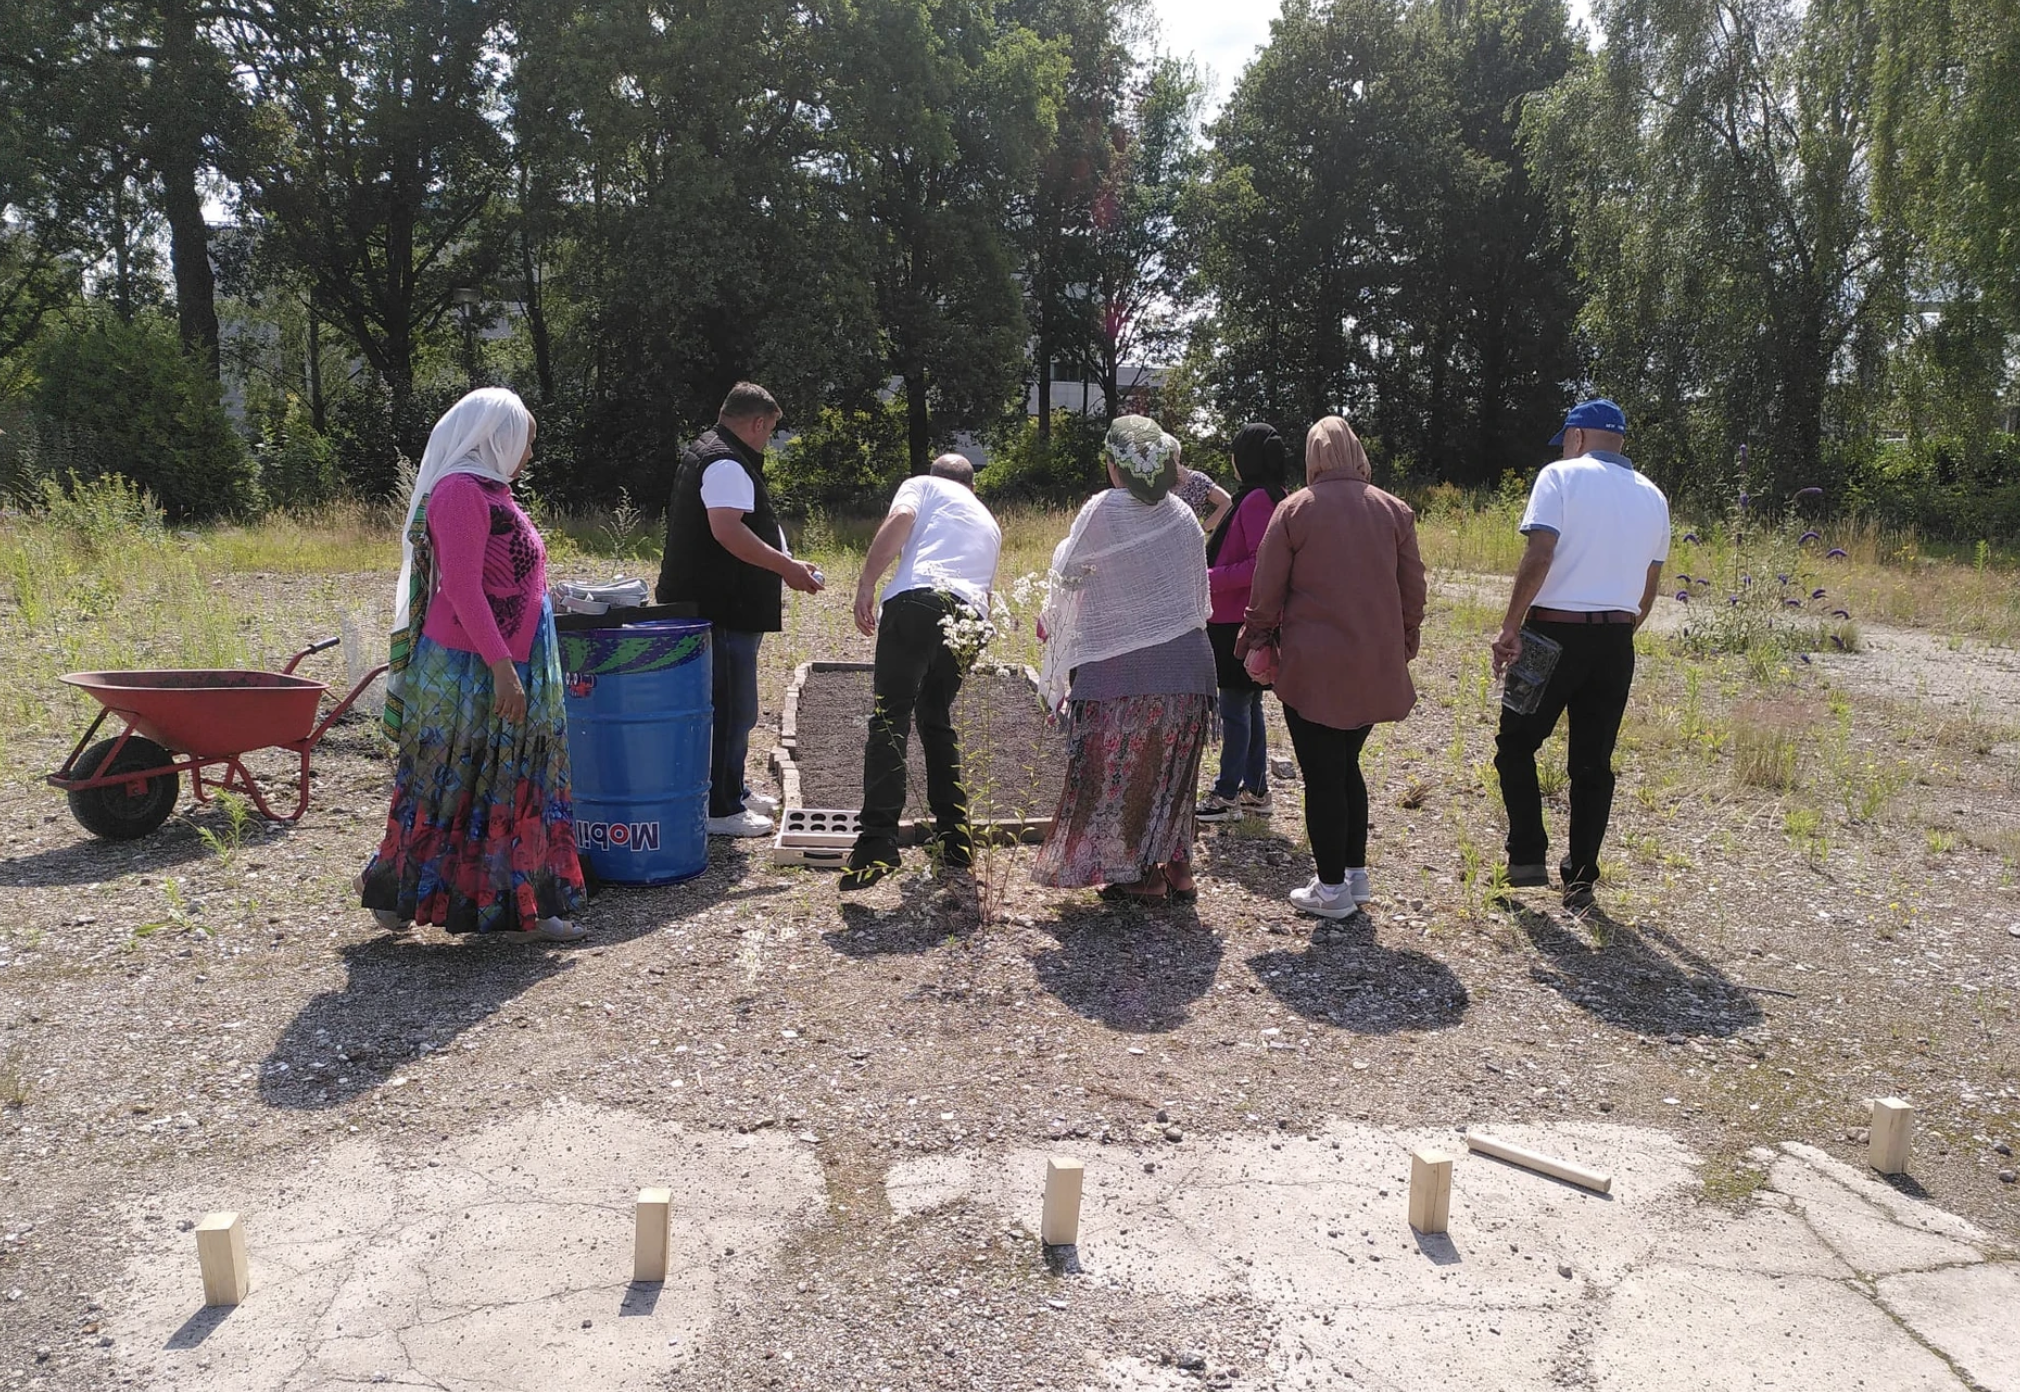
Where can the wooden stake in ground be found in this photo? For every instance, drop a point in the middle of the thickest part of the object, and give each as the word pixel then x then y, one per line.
pixel 1893 1128
pixel 1430 1191
pixel 220 1253
pixel 1060 1224
pixel 649 1249
pixel 1542 1164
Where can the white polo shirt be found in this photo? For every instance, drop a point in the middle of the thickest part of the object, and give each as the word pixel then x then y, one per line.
pixel 954 541
pixel 1611 525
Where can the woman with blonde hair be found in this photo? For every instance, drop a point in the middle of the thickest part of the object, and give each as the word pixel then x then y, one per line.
pixel 1128 660
pixel 1339 591
pixel 481 835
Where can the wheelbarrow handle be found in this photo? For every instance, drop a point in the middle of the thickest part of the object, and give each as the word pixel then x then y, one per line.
pixel 310 651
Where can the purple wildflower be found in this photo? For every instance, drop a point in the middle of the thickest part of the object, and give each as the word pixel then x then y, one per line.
pixel 1681 576
pixel 1837 642
pixel 1783 578
pixel 1683 595
pixel 1836 553
pixel 1808 537
pixel 1816 594
pixel 1802 493
pixel 1745 499
pixel 1703 582
pixel 1805 658
pixel 1732 599
pixel 1690 537
pixel 1792 604
pixel 1746 580
pixel 1841 613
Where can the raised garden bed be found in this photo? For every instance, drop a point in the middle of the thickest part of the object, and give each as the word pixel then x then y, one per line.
pixel 1014 762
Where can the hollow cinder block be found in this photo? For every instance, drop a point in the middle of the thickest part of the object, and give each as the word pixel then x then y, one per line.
pixel 1430 1191
pixel 650 1248
pixel 220 1253
pixel 1059 1226
pixel 1893 1129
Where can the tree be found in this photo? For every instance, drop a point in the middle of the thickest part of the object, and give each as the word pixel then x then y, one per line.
pixel 1715 161
pixel 380 161
pixel 1312 164
pixel 938 116
pixel 1139 254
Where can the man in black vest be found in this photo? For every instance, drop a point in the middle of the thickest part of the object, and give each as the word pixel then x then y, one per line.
pixel 726 555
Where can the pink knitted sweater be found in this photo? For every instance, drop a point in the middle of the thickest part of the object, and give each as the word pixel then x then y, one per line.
pixel 492 568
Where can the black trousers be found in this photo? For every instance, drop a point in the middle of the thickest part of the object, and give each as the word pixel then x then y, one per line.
pixel 1591 683
pixel 1336 795
pixel 917 678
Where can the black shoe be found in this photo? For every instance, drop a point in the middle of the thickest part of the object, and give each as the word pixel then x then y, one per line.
pixel 863 876
pixel 1578 898
pixel 1528 876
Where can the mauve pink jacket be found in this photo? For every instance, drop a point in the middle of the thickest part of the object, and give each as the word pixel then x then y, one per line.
pixel 1338 572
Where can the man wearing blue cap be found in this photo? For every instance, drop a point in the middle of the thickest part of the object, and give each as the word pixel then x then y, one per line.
pixel 1598 538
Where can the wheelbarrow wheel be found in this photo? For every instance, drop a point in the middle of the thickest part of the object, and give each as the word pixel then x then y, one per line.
pixel 113 812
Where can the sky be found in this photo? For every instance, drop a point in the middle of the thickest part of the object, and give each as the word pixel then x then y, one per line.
pixel 1224 34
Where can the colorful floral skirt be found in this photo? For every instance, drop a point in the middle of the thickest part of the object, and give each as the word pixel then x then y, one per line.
pixel 481 836
pixel 1132 767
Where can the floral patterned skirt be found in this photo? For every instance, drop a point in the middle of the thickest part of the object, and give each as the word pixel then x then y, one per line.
pixel 481 836
pixel 1132 768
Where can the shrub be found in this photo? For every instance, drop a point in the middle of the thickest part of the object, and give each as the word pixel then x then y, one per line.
pixel 1023 469
pixel 298 463
pixel 126 399
pixel 847 457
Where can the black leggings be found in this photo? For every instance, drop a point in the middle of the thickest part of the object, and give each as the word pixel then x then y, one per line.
pixel 1336 796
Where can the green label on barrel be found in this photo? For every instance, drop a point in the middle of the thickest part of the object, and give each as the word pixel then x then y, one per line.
pixel 613 653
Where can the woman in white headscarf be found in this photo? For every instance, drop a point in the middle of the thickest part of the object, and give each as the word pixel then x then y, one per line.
pixel 481 836
pixel 1127 657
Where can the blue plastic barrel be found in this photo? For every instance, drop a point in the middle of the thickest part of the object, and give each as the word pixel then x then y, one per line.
pixel 639 714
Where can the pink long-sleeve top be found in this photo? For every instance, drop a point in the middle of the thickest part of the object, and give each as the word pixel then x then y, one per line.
pixel 491 567
pixel 1232 572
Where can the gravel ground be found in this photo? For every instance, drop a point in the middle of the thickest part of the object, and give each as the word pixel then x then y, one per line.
pixel 180 1011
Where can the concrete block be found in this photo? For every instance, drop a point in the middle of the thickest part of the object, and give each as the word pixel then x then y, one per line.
pixel 649 1249
pixel 1430 1191
pixel 220 1253
pixel 1893 1128
pixel 1059 1225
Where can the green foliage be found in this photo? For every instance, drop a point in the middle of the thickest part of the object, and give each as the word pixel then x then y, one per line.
pixel 843 460
pixel 1024 468
pixel 1948 487
pixel 128 400
pixel 298 463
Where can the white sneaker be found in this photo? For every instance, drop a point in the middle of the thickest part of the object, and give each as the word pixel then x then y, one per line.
pixel 764 804
pixel 744 823
pixel 1324 900
pixel 1357 882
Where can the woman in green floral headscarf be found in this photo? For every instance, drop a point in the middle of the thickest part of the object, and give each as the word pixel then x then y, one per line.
pixel 1128 660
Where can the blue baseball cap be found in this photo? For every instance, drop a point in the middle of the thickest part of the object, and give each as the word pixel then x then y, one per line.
pixel 1597 414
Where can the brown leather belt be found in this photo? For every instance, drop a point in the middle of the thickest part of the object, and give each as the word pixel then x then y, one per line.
pixel 1580 616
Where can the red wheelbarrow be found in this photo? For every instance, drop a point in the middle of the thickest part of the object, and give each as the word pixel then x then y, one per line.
pixel 125 787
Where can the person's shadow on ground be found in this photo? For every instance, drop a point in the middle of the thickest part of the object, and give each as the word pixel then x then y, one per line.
pixel 1641 979
pixel 408 996
pixel 1347 978
pixel 1131 968
pixel 929 912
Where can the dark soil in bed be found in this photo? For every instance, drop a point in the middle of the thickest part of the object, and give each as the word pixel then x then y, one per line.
pixel 1014 762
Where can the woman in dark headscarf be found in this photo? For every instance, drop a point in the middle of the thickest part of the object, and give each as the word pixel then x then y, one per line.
pixel 1243 786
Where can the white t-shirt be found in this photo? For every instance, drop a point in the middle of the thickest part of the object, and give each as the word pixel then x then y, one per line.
pixel 1611 525
pixel 953 544
pixel 726 484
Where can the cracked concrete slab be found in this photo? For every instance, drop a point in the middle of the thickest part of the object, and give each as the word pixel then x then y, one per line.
pixel 1972 1313
pixel 1537 1284
pixel 501 1262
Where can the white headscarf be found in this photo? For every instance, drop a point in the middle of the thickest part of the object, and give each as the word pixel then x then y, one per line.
pixel 1129 575
pixel 483 434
